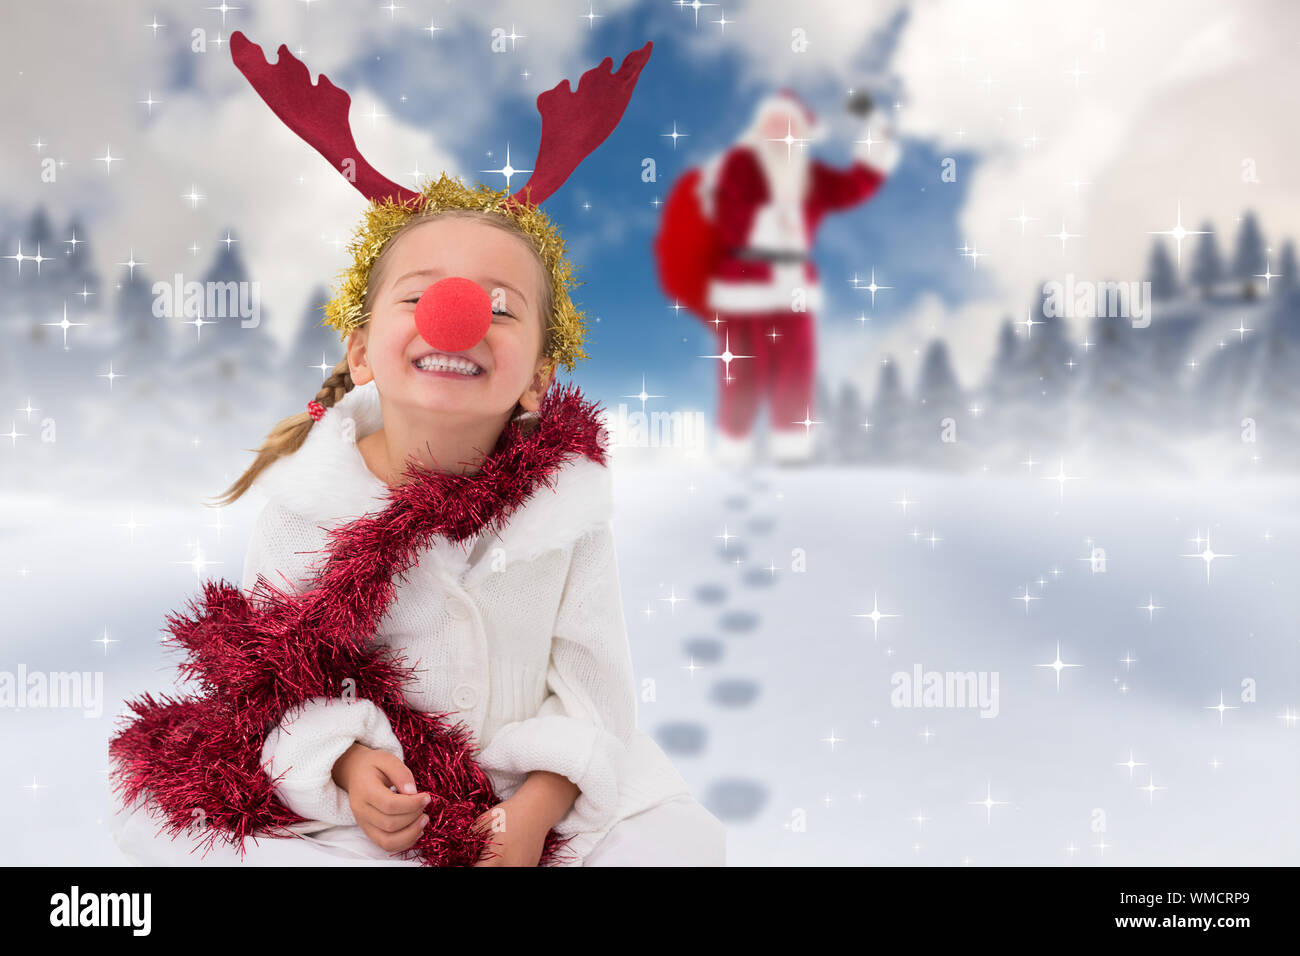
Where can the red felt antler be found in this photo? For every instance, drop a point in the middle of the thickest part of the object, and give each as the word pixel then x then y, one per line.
pixel 316 112
pixel 574 122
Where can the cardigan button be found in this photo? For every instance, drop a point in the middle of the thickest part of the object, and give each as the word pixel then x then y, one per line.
pixel 465 696
pixel 456 608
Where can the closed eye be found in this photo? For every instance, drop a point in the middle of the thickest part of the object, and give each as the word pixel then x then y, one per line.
pixel 494 311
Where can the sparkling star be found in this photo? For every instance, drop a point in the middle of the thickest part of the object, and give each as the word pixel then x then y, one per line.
pixel 131 263
pixel 132 525
pixel 65 324
pixel 674 134
pixel 1207 555
pixel 876 616
pixel 1130 763
pixel 1177 233
pixel 694 5
pixel 672 599
pixel 507 170
pixel 1220 707
pixel 1061 478
pixel 1151 788
pixel 988 803
pixel 872 287
pixel 110 375
pixel 643 394
pixel 1026 597
pixel 1064 235
pixel 1058 665
pixel 789 138
pixel 727 356
pixel 105 640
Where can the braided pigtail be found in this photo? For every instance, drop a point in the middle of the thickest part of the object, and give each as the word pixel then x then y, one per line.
pixel 287 436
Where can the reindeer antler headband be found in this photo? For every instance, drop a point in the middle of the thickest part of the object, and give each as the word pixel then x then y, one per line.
pixel 574 123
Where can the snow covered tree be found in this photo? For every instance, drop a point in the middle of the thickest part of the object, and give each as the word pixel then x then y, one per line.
pixel 144 336
pixel 939 422
pixel 314 344
pixel 847 429
pixel 1248 259
pixel 79 272
pixel 888 416
pixel 1161 274
pixel 1207 265
pixel 1287 268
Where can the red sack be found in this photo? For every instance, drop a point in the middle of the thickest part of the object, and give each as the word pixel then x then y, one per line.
pixel 688 247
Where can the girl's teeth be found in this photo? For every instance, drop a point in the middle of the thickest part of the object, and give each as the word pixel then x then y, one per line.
pixel 434 364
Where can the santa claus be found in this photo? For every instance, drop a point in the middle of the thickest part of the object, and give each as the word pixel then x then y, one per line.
pixel 766 197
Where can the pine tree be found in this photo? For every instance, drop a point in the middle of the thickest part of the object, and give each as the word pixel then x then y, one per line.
pixel 38 293
pixel 80 278
pixel 887 415
pixel 1287 282
pixel 1248 260
pixel 850 442
pixel 1207 265
pixel 313 344
pixel 821 411
pixel 1161 274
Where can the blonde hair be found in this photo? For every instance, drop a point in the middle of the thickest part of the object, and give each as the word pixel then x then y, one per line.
pixel 289 433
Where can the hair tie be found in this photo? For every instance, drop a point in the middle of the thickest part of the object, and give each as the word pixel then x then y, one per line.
pixel 316 409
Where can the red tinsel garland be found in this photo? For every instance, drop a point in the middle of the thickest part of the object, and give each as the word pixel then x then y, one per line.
pixel 259 654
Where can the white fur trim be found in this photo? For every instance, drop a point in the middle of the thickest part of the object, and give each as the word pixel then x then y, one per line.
pixel 581 502
pixel 732 452
pixel 790 444
pixel 328 482
pixel 777 295
pixel 326 479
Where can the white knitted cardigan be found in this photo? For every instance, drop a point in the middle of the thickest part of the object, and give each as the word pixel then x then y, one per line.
pixel 519 634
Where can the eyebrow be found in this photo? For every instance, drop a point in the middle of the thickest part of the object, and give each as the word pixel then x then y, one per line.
pixel 438 272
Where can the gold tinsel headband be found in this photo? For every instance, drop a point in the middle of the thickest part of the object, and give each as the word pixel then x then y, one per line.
pixel 574 123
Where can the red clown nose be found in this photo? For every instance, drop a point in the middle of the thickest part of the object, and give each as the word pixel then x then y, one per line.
pixel 453 314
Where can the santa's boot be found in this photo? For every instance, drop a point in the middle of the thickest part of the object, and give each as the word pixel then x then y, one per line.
pixel 790 446
pixel 731 452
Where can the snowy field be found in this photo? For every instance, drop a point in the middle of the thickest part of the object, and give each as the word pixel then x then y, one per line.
pixel 771 689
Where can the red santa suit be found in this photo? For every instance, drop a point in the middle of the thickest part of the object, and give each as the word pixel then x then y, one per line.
pixel 766 290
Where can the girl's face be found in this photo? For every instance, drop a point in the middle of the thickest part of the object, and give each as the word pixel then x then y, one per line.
pixel 509 358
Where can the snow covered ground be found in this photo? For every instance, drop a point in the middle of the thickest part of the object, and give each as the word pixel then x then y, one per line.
pixel 770 686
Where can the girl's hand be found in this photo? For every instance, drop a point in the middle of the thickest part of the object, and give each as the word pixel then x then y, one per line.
pixel 517 835
pixel 393 821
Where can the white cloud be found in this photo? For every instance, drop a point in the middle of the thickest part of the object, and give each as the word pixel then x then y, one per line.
pixel 1175 97
pixel 220 137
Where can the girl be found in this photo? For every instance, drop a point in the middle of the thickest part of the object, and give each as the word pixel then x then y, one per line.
pixel 518 634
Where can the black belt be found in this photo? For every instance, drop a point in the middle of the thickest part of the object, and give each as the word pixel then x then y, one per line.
pixel 771 255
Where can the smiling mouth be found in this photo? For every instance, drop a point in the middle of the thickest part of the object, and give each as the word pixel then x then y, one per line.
pixel 442 362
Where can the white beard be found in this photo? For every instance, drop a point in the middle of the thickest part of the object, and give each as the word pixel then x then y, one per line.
pixel 787 179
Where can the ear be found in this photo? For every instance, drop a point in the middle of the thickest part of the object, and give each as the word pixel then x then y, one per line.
pixel 532 397
pixel 358 362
